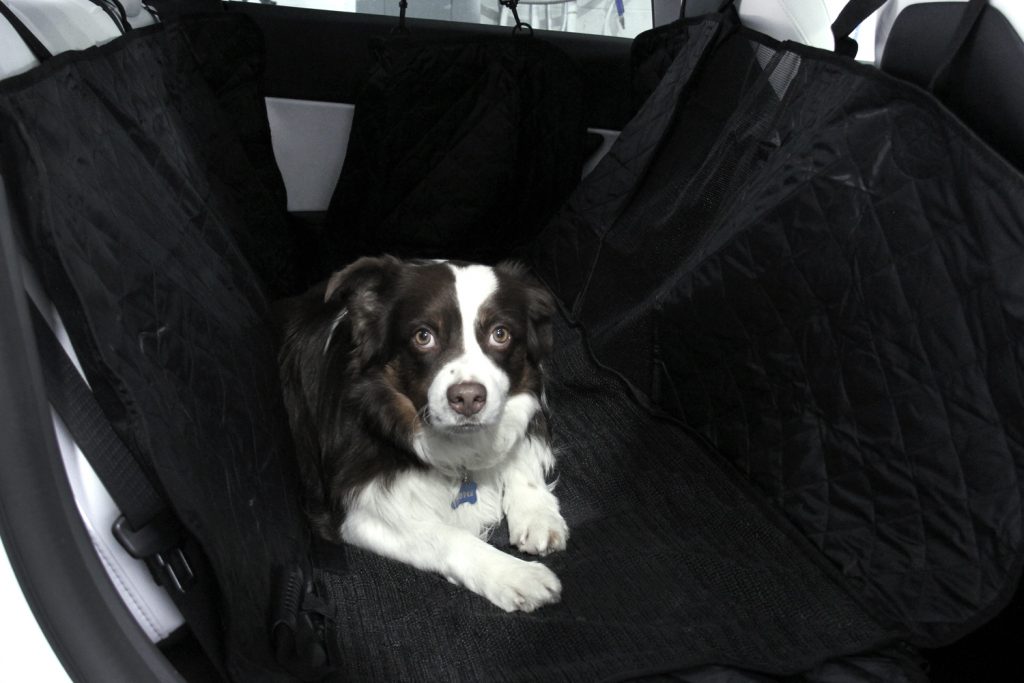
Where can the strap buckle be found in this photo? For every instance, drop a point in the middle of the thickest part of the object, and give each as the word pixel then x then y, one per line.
pixel 159 544
pixel 304 629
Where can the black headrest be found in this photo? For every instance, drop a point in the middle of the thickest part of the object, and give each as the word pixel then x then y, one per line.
pixel 695 8
pixel 985 84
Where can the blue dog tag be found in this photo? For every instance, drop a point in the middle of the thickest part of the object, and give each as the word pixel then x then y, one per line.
pixel 466 494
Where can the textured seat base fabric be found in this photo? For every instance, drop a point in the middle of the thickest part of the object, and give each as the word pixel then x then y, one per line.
pixel 670 564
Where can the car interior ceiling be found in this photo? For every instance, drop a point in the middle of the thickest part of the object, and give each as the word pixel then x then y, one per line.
pixel 788 370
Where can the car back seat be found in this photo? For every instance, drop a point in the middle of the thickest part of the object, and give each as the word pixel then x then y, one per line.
pixel 727 495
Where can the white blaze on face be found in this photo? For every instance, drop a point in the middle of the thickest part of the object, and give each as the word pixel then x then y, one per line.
pixel 473 286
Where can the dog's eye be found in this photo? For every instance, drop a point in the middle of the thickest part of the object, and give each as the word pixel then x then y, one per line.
pixel 500 335
pixel 424 338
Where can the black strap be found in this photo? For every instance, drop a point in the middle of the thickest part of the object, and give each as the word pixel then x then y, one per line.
pixel 402 29
pixel 115 10
pixel 852 16
pixel 304 625
pixel 968 21
pixel 37 49
pixel 117 468
pixel 153 12
pixel 520 24
pixel 147 529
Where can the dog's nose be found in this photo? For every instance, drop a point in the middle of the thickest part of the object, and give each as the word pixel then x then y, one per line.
pixel 467 398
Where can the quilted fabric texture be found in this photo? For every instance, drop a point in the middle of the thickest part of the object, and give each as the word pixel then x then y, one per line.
pixel 805 264
pixel 674 563
pixel 134 198
pixel 460 149
pixel 829 292
pixel 229 53
pixel 654 51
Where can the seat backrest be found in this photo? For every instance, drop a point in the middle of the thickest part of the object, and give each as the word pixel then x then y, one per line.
pixel 802 21
pixel 985 87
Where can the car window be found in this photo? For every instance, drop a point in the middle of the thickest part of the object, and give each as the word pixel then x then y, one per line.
pixel 622 18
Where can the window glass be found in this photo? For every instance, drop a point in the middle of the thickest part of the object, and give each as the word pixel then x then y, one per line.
pixel 622 18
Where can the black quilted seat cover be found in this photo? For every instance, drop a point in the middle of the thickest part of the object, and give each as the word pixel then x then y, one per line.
pixel 154 234
pixel 824 280
pixel 791 268
pixel 459 149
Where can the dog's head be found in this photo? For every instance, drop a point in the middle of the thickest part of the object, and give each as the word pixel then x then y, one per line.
pixel 455 339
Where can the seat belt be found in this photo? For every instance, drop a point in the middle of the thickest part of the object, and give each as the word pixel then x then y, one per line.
pixel 148 528
pixel 303 624
pixel 852 15
pixel 303 627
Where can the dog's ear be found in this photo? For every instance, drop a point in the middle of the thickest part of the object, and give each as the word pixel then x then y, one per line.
pixel 365 287
pixel 539 337
pixel 540 306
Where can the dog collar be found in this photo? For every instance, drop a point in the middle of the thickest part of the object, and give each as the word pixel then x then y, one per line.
pixel 467 491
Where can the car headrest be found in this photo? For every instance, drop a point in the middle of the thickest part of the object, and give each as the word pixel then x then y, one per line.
pixel 802 21
pixel 1013 10
pixel 985 87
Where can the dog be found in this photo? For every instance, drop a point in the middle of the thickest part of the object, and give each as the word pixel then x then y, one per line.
pixel 415 395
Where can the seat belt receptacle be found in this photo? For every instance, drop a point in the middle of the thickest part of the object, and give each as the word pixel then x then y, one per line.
pixel 159 544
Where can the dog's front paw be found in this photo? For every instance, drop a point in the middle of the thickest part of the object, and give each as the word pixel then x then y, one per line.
pixel 539 533
pixel 524 586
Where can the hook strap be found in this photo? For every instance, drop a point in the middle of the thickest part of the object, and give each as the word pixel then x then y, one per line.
pixel 520 24
pixel 402 29
pixel 853 15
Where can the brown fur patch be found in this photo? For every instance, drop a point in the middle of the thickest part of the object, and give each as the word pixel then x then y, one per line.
pixel 406 412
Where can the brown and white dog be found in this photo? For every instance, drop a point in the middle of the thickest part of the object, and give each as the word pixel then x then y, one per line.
pixel 414 391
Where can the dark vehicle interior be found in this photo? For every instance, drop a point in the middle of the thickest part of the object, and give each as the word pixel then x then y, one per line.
pixel 787 388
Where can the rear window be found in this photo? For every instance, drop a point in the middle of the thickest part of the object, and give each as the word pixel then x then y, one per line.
pixel 621 18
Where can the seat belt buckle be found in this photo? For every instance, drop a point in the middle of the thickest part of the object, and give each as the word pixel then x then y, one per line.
pixel 158 544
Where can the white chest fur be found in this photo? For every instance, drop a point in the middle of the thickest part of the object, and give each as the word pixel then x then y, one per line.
pixel 413 520
pixel 428 495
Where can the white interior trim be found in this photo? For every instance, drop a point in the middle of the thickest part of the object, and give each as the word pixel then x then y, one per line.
pixel 310 141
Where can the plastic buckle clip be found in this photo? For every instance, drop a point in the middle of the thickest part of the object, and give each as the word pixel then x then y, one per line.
pixel 305 626
pixel 158 544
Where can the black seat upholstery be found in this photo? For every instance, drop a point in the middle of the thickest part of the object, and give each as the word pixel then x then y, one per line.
pixel 985 87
